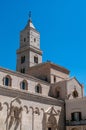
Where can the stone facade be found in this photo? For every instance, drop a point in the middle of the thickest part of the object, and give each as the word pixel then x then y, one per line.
pixel 54 73
pixel 39 96
pixel 32 111
pixel 18 78
pixel 76 106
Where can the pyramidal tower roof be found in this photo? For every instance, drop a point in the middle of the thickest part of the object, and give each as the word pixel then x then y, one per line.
pixel 30 24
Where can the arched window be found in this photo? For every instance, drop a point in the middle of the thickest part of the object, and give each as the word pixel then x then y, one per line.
pixel 23 70
pixel 54 78
pixel 24 85
pixel 22 59
pixel 7 81
pixel 38 89
pixel 75 93
pixel 35 59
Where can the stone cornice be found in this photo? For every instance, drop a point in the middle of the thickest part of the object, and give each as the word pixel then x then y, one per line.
pixel 34 49
pixel 10 92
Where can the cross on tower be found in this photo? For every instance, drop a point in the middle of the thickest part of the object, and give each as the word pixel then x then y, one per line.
pixel 29 15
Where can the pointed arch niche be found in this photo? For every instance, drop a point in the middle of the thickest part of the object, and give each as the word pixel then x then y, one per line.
pixel 51 119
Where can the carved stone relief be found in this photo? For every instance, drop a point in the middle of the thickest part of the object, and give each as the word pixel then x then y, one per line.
pixel 51 118
pixel 14 109
pixel 14 117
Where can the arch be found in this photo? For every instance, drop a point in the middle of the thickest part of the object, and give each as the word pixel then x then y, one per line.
pixel 7 80
pixel 36 59
pixel 27 111
pixel 31 108
pixel 38 89
pixel 7 105
pixel 52 123
pixel 37 111
pixel 42 110
pixel 24 85
pixel 75 93
pixel 52 120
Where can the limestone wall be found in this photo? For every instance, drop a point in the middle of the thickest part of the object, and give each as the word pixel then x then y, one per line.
pixel 75 105
pixel 73 84
pixel 59 75
pixel 30 112
pixel 41 72
pixel 32 54
pixel 17 78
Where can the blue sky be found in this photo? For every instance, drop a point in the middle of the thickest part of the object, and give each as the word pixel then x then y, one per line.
pixel 62 24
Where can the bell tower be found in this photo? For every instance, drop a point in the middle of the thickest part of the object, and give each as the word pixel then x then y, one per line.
pixel 29 53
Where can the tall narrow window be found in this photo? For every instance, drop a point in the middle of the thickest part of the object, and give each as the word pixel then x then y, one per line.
pixel 35 59
pixel 75 93
pixel 54 78
pixel 23 70
pixel 24 39
pixel 24 85
pixel 7 81
pixel 38 89
pixel 22 59
pixel 34 39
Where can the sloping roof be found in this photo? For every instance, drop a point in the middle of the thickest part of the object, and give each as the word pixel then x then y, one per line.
pixel 76 80
pixel 31 24
pixel 68 79
pixel 52 65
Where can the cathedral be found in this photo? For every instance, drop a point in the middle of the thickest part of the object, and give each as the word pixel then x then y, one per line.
pixel 39 95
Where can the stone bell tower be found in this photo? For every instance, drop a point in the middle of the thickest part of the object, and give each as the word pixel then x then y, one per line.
pixel 29 53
